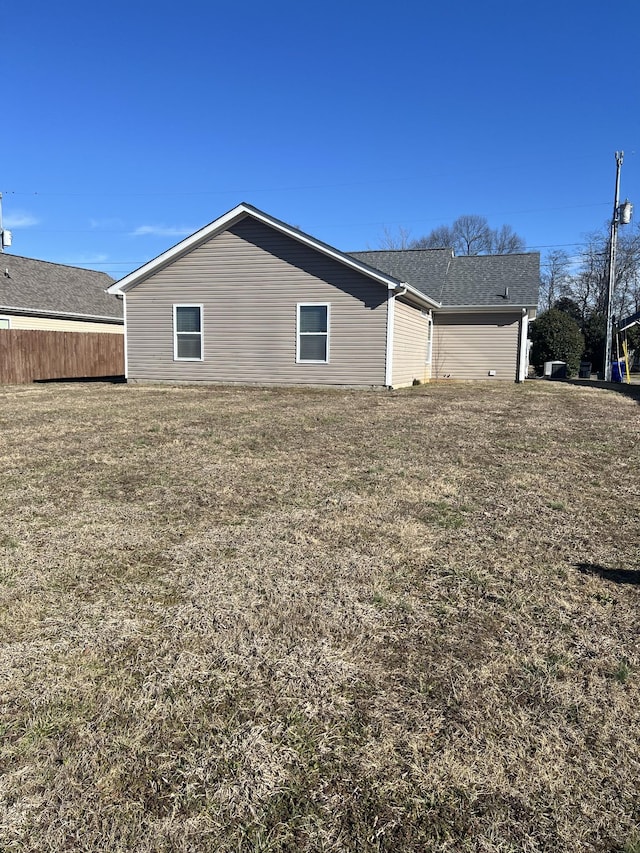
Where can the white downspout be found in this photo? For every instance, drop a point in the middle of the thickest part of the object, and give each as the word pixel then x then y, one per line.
pixel 523 353
pixel 391 304
pixel 388 363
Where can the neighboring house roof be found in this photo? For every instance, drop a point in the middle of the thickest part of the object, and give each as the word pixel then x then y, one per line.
pixel 629 321
pixel 28 286
pixel 478 281
pixel 228 220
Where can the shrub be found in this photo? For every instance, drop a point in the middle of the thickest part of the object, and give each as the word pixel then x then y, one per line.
pixel 569 306
pixel 595 333
pixel 556 337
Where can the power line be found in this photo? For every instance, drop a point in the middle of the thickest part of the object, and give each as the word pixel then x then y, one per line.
pixel 139 262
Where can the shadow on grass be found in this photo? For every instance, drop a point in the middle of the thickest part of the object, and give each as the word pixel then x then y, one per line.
pixel 632 391
pixel 113 380
pixel 631 576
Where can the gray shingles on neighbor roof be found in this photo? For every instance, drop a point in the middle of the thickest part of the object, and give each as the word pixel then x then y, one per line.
pixel 465 280
pixel 40 287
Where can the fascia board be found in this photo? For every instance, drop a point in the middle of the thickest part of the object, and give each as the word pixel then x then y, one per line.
pixel 60 315
pixel 199 236
pixel 503 309
pixel 420 297
pixel 629 321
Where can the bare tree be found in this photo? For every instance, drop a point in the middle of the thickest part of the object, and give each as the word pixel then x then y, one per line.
pixel 441 237
pixel 554 278
pixel 399 240
pixel 505 241
pixel 471 235
pixel 627 283
pixel 588 285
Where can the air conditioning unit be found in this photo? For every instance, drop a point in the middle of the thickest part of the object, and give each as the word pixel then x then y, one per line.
pixel 555 370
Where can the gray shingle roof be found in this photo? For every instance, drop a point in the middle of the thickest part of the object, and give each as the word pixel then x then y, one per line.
pixel 473 280
pixel 40 287
pixel 425 269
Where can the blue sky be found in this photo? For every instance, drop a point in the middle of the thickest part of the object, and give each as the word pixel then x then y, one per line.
pixel 127 125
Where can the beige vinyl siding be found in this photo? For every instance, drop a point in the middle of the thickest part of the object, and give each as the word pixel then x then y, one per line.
pixel 410 340
pixel 469 346
pixel 49 324
pixel 249 281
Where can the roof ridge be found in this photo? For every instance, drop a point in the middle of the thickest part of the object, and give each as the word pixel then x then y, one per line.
pixel 403 251
pixel 499 255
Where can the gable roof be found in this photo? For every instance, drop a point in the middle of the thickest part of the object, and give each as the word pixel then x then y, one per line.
pixel 465 281
pixel 435 278
pixel 29 286
pixel 227 220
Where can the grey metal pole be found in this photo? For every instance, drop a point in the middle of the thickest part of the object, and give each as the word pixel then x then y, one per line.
pixel 615 219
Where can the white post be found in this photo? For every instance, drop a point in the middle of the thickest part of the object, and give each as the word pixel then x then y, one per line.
pixel 388 371
pixel 523 361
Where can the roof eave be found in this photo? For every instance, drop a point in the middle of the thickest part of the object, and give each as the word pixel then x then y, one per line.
pixel 60 315
pixel 513 306
pixel 419 297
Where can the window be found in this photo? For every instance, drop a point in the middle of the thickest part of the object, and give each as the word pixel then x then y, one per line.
pixel 187 332
pixel 5 323
pixel 313 333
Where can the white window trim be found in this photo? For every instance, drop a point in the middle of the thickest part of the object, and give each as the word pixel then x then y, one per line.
pixel 300 305
pixel 177 305
pixel 8 319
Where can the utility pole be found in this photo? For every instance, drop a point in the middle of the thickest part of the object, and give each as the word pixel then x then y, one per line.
pixel 5 236
pixel 619 214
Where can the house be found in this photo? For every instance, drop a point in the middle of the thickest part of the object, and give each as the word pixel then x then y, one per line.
pixel 57 322
pixel 54 297
pixel 485 303
pixel 250 299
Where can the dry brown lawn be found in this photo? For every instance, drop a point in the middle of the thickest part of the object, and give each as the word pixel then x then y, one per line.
pixel 295 620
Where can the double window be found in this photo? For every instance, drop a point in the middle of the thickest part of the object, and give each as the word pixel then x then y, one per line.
pixel 313 333
pixel 312 344
pixel 187 332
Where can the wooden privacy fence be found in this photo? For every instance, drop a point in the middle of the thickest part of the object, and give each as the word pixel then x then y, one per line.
pixel 28 356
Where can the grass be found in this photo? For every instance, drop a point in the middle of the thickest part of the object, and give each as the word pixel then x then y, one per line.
pixel 298 620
